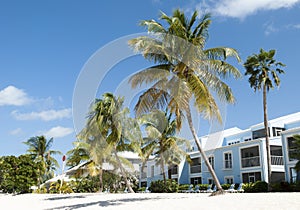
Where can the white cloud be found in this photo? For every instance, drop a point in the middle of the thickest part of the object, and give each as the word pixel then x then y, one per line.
pixel 13 96
pixel 270 28
pixel 16 132
pixel 293 26
pixel 44 115
pixel 243 8
pixel 58 132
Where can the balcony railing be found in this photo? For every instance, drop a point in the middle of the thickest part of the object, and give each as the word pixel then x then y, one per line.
pixel 195 169
pixel 276 160
pixel 250 162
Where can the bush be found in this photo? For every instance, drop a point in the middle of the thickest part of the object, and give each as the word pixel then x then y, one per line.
pixel 159 186
pixel 259 186
pixel 225 186
pixel 183 187
pixel 203 186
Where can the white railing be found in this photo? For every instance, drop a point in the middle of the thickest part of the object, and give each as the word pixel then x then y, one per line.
pixel 276 160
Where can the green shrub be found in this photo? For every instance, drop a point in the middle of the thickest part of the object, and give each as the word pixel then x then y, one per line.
pixel 203 186
pixel 225 186
pixel 159 186
pixel 259 186
pixel 183 187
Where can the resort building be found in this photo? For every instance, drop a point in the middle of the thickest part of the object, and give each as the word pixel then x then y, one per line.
pixel 236 155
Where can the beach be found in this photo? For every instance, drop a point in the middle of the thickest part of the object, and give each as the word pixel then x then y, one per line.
pixel 151 201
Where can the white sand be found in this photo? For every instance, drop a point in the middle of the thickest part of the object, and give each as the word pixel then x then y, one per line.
pixel 152 201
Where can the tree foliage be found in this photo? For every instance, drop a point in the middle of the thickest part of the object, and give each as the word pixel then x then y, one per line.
pixel 18 174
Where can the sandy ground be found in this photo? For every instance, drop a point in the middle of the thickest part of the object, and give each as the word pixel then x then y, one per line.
pixel 152 201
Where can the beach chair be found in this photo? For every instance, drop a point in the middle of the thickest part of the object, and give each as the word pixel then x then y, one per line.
pixel 147 190
pixel 231 189
pixel 197 189
pixel 240 188
pixel 209 190
pixel 190 190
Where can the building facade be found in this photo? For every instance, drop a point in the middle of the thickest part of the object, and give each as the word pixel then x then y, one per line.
pixel 237 156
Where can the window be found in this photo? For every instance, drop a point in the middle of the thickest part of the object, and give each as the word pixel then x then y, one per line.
pixel 277 131
pixel 251 177
pixel 259 133
pixel 227 160
pixel 195 166
pixel 211 160
pixel 173 170
pixel 228 180
pixel 196 180
pixel 152 171
pixel 291 150
pixel 250 157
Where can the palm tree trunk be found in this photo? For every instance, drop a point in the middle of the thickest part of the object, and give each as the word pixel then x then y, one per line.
pixel 123 173
pixel 204 157
pixel 100 179
pixel 162 166
pixel 267 136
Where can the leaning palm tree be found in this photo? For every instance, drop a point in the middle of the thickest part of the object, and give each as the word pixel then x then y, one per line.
pixel 120 131
pixel 263 72
pixel 161 140
pixel 39 149
pixel 184 72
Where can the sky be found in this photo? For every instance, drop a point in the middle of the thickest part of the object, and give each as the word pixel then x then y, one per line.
pixel 46 45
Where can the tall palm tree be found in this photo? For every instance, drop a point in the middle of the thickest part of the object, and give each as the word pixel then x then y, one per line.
pixel 120 131
pixel 161 140
pixel 263 72
pixel 184 72
pixel 39 149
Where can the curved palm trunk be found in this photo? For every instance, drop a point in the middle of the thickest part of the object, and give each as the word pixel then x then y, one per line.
pixel 210 169
pixel 267 136
pixel 100 179
pixel 123 173
pixel 163 168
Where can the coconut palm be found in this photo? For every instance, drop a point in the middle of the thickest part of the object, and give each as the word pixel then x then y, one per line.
pixel 120 131
pixel 184 72
pixel 263 72
pixel 39 149
pixel 92 146
pixel 161 140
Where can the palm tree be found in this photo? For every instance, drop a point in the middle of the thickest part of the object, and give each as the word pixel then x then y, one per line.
pixel 161 140
pixel 185 71
pixel 92 146
pixel 120 131
pixel 263 73
pixel 39 149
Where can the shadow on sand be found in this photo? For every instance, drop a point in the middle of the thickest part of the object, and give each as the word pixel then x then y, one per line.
pixel 101 203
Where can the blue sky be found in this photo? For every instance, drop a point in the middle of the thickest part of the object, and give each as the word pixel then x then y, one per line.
pixel 45 45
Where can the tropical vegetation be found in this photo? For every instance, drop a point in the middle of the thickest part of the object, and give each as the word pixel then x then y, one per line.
pixel 184 71
pixel 39 148
pixel 263 71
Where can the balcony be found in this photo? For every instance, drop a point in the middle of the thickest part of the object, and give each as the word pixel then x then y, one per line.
pixel 276 160
pixel 195 169
pixel 250 162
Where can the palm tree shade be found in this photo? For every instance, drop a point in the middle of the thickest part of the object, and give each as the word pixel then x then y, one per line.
pixel 263 73
pixel 184 71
